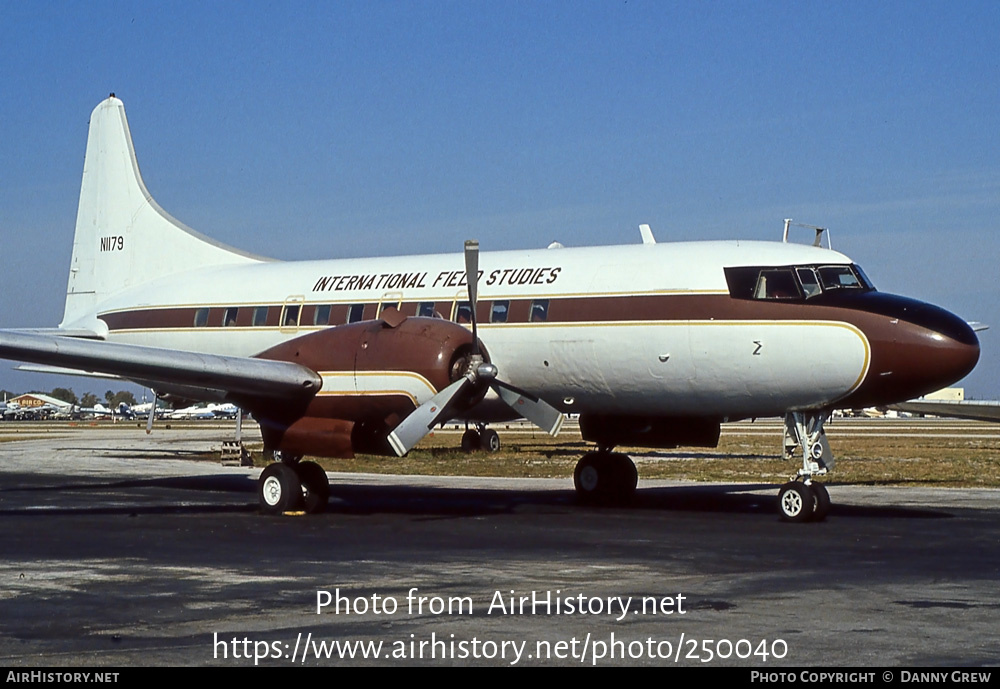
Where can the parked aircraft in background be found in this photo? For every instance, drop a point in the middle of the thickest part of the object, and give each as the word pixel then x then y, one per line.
pixel 653 345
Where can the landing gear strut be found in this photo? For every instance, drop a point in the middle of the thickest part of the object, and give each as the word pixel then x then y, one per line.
pixel 803 499
pixel 605 477
pixel 290 485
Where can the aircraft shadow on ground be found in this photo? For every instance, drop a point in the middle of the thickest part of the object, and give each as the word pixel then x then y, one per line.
pixel 428 501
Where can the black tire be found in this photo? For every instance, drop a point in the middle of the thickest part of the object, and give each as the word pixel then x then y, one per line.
pixel 471 441
pixel 590 477
pixel 315 487
pixel 489 440
pixel 796 502
pixel 821 502
pixel 279 489
pixel 625 477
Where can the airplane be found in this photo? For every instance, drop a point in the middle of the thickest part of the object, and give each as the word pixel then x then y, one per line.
pixel 193 413
pixel 652 345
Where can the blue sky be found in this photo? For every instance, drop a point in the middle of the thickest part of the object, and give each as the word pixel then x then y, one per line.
pixel 303 130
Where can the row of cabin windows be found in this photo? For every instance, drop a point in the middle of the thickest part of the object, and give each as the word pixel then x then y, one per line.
pixel 290 315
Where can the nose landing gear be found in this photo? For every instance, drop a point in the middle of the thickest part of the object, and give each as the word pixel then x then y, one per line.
pixel 803 499
pixel 799 501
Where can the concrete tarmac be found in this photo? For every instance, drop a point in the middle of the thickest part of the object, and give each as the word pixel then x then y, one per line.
pixel 119 549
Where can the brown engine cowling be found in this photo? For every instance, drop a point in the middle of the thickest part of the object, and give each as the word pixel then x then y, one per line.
pixel 340 423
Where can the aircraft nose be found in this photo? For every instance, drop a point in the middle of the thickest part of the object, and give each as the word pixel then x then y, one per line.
pixel 919 348
pixel 916 348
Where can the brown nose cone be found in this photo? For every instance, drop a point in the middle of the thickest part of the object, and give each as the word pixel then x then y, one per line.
pixel 910 359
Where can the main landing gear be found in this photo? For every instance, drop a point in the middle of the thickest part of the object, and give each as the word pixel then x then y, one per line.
pixel 291 485
pixel 803 499
pixel 480 438
pixel 605 477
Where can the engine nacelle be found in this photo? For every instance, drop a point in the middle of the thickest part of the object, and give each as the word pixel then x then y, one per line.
pixel 374 374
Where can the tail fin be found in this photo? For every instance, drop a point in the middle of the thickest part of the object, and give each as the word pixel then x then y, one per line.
pixel 123 238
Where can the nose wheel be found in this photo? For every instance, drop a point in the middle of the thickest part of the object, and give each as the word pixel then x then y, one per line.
pixel 803 502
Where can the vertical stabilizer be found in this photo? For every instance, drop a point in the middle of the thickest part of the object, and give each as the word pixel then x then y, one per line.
pixel 123 238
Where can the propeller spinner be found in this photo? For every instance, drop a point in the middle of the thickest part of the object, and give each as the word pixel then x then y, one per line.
pixel 478 371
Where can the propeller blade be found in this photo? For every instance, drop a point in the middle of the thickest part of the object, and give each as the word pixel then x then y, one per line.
pixel 414 427
pixel 535 410
pixel 472 279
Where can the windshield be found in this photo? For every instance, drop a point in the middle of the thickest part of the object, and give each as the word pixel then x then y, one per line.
pixel 794 283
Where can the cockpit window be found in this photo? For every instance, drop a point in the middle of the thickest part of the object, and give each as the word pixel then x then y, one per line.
pixel 794 283
pixel 778 283
pixel 839 277
pixel 809 281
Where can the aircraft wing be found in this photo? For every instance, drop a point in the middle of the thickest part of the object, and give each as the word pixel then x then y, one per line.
pixel 187 373
pixel 977 410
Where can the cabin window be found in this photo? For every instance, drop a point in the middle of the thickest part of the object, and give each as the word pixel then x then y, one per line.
pixel 259 316
pixel 500 310
pixel 425 309
pixel 200 318
pixel 290 316
pixel 229 317
pixel 539 311
pixel 463 312
pixel 355 313
pixel 321 316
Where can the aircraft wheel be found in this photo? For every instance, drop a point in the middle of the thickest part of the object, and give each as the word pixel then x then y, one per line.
pixel 796 502
pixel 604 478
pixel 821 504
pixel 589 477
pixel 315 487
pixel 471 441
pixel 279 489
pixel 626 477
pixel 490 440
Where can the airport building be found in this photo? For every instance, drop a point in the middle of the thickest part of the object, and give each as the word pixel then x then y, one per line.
pixel 33 400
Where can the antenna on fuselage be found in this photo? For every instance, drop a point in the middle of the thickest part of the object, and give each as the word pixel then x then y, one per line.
pixel 817 241
pixel 647 234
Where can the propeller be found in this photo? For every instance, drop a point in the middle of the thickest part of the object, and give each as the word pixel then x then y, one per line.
pixel 478 372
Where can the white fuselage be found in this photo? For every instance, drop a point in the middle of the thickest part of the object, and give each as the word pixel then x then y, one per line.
pixel 646 362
